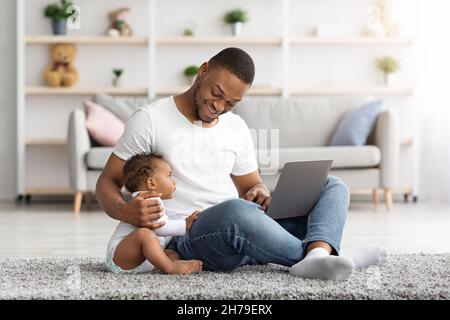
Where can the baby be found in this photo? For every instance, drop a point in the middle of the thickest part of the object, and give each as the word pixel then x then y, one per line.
pixel 137 250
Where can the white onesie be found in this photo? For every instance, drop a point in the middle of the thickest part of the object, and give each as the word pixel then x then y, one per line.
pixel 172 227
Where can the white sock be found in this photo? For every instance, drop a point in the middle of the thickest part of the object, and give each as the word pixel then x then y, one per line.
pixel 366 256
pixel 319 264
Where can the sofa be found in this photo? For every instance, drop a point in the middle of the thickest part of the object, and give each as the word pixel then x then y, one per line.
pixel 302 127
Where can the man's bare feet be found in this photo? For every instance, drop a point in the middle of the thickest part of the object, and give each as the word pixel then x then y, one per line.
pixel 184 267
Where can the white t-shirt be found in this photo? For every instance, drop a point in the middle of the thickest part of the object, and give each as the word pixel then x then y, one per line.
pixel 202 159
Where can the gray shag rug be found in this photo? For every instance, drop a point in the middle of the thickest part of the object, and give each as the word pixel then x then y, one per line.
pixel 407 276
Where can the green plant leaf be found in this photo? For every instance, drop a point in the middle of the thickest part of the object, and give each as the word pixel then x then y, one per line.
pixel 191 70
pixel 57 12
pixel 119 24
pixel 236 15
pixel 387 64
pixel 117 72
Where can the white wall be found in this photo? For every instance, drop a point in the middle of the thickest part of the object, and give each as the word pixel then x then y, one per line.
pixel 7 100
pixel 311 66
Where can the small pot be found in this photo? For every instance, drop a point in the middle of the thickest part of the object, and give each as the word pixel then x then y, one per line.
pixel 389 79
pixel 59 27
pixel 236 28
pixel 191 79
pixel 117 82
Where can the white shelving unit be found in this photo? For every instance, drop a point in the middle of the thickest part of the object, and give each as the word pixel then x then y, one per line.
pixel 84 91
pixel 85 40
pixel 151 42
pixel 351 41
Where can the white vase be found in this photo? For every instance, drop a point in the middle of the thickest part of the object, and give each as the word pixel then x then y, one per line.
pixel 236 28
pixel 392 79
pixel 118 82
pixel 191 79
pixel 388 79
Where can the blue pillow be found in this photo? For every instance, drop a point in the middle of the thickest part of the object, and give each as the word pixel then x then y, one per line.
pixel 355 127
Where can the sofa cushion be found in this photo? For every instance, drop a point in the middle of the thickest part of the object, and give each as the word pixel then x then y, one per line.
pixel 300 121
pixel 121 107
pixel 103 126
pixel 97 157
pixel 343 157
pixel 355 127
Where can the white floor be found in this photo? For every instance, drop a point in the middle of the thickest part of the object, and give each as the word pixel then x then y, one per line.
pixel 49 230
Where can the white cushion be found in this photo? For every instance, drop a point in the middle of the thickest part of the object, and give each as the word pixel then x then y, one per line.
pixel 342 156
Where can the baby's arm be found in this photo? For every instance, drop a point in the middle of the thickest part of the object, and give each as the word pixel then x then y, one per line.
pixel 171 228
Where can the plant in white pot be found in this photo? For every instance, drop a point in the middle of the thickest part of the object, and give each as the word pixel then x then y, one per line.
pixel 388 65
pixel 190 73
pixel 236 18
pixel 117 81
pixel 59 13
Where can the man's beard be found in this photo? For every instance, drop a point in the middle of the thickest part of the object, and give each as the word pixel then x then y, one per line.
pixel 198 105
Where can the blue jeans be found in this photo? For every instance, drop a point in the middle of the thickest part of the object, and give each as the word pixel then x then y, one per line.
pixel 237 232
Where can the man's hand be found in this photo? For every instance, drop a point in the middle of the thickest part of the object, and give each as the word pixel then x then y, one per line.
pixel 190 220
pixel 143 212
pixel 259 194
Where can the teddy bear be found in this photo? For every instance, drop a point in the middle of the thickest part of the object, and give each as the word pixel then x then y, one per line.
pixel 61 71
pixel 117 24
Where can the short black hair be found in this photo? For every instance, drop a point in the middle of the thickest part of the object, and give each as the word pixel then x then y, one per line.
pixel 138 169
pixel 237 61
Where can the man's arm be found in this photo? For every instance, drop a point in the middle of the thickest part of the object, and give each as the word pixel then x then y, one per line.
pixel 139 211
pixel 250 187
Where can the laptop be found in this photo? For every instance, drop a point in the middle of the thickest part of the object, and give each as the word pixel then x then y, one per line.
pixel 298 188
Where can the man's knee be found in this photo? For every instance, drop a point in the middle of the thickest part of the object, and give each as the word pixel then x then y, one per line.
pixel 339 188
pixel 234 211
pixel 238 208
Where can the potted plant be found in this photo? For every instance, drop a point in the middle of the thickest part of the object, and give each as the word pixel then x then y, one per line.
pixel 188 32
pixel 189 28
pixel 59 14
pixel 236 18
pixel 190 73
pixel 388 65
pixel 117 81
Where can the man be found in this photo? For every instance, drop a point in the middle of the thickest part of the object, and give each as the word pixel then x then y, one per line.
pixel 210 149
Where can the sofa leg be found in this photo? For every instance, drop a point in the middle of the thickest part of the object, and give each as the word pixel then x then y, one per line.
pixel 375 197
pixel 88 198
pixel 77 202
pixel 388 198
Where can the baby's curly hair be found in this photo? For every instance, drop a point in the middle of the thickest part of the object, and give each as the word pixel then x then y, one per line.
pixel 139 168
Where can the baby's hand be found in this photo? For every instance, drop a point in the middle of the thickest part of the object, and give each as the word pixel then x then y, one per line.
pixel 190 220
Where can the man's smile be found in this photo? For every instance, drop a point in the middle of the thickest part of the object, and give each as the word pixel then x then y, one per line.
pixel 211 110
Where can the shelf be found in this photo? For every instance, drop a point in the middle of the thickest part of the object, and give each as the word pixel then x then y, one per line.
pixel 220 40
pixel 382 91
pixel 351 41
pixel 52 39
pixel 256 91
pixel 46 142
pixel 43 90
pixel 48 191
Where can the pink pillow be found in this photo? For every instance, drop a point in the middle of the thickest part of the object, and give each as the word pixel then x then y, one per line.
pixel 103 126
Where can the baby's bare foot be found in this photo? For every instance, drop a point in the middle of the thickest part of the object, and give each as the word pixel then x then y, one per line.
pixel 185 266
